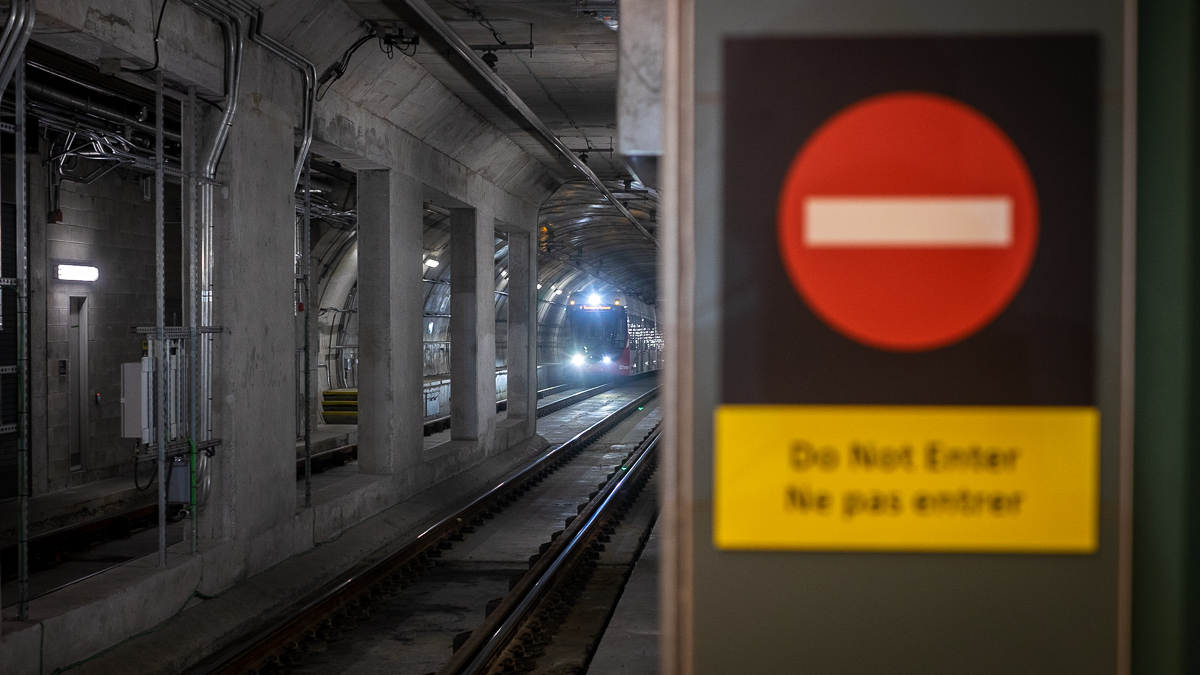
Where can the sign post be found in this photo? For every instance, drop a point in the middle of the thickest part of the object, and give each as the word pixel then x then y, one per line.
pixel 912 420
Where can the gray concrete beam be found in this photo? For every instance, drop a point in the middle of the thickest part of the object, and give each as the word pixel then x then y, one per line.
pixel 472 326
pixel 522 329
pixel 389 333
pixel 190 49
pixel 358 138
pixel 254 484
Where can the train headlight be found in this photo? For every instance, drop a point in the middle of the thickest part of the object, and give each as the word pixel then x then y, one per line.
pixel 577 359
pixel 594 299
pixel 607 360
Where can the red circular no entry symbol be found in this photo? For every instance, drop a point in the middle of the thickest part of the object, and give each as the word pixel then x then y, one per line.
pixel 908 221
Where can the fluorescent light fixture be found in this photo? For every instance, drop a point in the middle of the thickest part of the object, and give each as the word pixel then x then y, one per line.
pixel 539 287
pixel 504 273
pixel 430 262
pixel 594 299
pixel 78 273
pixel 558 292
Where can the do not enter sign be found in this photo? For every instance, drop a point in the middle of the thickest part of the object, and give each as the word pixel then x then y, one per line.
pixel 909 291
pixel 908 221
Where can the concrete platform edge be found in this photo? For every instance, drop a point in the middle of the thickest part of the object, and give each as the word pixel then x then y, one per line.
pixel 82 621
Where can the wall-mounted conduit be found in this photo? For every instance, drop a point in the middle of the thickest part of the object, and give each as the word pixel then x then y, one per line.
pixel 21 14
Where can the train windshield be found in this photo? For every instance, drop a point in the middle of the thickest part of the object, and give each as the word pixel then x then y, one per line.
pixel 598 332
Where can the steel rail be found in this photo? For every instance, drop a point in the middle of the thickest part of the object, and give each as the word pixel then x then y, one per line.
pixel 490 638
pixel 279 635
pixel 443 422
pixel 458 46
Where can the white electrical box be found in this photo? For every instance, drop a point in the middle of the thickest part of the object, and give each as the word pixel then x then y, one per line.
pixel 136 414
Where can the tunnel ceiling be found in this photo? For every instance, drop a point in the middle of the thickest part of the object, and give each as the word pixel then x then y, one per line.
pixel 569 80
pixel 578 231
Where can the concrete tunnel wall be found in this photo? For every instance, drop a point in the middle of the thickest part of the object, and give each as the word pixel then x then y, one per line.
pixel 335 259
pixel 420 144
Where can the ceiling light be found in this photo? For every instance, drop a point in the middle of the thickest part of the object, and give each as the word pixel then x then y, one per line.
pixel 78 273
pixel 539 287
pixel 432 263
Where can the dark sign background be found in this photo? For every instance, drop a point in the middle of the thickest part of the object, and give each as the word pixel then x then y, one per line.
pixel 1042 91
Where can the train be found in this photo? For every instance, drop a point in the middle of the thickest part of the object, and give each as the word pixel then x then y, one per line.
pixel 609 339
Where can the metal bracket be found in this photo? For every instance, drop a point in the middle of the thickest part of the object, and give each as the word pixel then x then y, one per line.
pixel 178 447
pixel 174 332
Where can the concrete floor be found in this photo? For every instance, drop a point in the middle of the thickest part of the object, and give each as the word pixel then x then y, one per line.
pixel 630 644
pixel 413 634
pixel 63 508
pixel 77 566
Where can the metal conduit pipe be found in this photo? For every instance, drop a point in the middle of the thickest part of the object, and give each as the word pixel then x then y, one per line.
pixel 231 27
pixel 299 62
pixel 21 15
pixel 85 106
pixel 435 23
pixel 15 16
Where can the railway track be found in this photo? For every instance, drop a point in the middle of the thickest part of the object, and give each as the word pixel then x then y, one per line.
pixel 358 624
pixel 346 453
pixel 74 542
pixel 553 619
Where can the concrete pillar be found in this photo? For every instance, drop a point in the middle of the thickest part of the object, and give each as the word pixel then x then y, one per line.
pixel 472 326
pixel 389 321
pixel 522 329
pixel 254 379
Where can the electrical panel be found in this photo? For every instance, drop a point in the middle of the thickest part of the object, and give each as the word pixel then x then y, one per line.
pixel 136 413
pixel 179 484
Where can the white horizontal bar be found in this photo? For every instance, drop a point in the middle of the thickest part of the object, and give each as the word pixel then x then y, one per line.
pixel 908 222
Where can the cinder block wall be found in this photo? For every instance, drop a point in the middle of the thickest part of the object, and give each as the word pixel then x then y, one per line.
pixel 107 224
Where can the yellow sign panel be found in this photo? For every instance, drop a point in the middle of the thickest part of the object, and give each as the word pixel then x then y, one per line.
pixel 907 478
